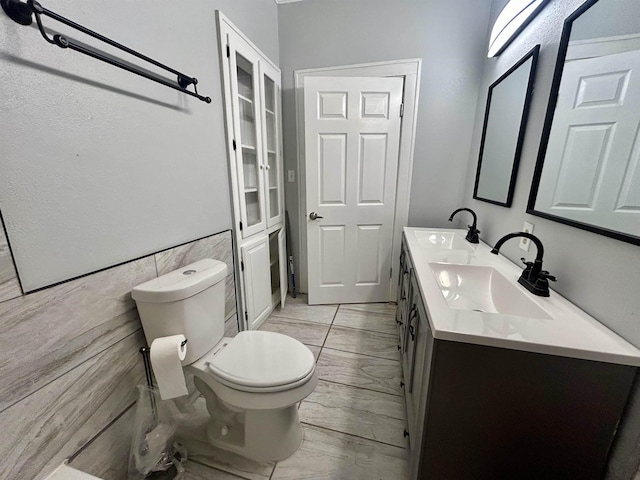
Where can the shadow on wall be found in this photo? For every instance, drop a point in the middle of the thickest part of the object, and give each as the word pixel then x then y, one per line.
pixel 75 78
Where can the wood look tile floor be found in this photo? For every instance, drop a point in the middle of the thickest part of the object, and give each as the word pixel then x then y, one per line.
pixel 354 420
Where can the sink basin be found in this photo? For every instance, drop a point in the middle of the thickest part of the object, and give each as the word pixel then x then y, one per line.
pixel 483 289
pixel 443 240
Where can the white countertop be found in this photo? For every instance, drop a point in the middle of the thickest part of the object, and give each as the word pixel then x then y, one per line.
pixel 568 332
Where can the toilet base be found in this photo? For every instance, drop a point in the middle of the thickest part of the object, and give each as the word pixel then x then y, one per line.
pixel 270 435
pixel 262 435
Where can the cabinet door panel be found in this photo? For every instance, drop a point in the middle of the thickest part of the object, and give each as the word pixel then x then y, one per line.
pixel 245 92
pixel 272 144
pixel 257 281
pixel 282 252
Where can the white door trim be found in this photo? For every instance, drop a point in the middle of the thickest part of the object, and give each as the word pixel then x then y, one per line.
pixel 410 69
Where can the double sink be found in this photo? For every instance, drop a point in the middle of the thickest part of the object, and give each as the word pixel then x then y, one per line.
pixel 473 296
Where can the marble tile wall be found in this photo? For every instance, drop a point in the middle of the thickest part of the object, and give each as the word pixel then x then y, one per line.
pixel 9 285
pixel 69 358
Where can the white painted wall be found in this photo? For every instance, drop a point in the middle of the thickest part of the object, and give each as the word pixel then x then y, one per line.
pixel 449 36
pixel 99 166
pixel 599 274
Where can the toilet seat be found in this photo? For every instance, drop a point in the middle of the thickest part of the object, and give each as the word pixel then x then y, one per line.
pixel 257 361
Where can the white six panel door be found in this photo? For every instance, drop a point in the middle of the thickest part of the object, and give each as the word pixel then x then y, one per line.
pixel 592 166
pixel 352 135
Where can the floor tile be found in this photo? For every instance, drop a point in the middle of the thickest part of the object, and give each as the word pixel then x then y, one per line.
pixel 193 437
pixel 309 333
pixel 315 350
pixel 197 471
pixel 366 320
pixel 297 308
pixel 373 415
pixel 331 455
pixel 383 308
pixel 363 342
pixel 363 371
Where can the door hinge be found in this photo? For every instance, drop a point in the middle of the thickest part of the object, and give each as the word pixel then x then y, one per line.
pixel 402 110
pixel 242 265
pixel 391 272
pixel 246 316
pixel 228 51
pixel 234 144
pixel 240 226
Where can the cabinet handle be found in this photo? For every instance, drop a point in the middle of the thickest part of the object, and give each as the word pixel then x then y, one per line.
pixel 401 384
pixel 405 433
pixel 398 347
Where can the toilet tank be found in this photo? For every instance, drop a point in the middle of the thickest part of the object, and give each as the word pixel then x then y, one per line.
pixel 188 301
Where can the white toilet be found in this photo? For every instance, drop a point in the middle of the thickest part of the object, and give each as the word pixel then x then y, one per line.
pixel 252 383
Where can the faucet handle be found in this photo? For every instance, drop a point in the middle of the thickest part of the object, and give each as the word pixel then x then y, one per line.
pixel 528 264
pixel 545 274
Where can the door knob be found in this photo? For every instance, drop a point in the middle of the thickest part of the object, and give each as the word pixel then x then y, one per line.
pixel 314 216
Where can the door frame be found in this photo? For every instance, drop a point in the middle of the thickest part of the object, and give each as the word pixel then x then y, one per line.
pixel 410 70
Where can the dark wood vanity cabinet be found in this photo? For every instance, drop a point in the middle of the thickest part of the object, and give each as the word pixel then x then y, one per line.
pixel 479 412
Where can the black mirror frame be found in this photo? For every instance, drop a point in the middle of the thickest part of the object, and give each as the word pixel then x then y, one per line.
pixel 533 54
pixel 546 133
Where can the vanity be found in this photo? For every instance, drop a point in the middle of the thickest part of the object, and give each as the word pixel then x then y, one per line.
pixel 500 383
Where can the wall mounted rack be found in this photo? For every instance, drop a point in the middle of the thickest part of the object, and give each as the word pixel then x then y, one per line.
pixel 22 13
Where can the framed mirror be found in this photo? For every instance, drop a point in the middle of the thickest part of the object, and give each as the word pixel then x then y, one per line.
pixel 505 121
pixel 588 169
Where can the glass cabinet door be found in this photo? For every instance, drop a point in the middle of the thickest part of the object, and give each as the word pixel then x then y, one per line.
pixel 245 86
pixel 272 149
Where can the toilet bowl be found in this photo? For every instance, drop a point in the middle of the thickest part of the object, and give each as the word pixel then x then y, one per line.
pixel 252 383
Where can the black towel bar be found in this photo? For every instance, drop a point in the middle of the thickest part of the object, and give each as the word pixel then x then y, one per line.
pixel 22 13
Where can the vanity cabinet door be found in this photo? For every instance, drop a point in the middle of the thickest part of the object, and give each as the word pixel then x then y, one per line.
pixel 418 389
pixel 404 297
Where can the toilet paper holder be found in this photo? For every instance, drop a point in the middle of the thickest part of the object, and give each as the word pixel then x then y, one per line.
pixel 146 359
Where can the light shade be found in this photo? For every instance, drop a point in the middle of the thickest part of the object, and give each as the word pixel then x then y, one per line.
pixel 512 19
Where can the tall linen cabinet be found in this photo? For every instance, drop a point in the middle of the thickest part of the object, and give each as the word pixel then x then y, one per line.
pixel 252 91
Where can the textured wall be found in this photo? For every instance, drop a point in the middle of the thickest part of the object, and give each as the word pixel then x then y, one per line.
pixel 599 274
pixel 100 166
pixel 450 37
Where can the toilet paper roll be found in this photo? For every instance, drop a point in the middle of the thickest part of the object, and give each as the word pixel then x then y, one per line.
pixel 167 354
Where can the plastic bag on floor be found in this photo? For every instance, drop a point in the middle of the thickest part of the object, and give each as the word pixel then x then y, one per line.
pixel 154 452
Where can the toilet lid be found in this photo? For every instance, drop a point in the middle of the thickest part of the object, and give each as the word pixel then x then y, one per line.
pixel 263 359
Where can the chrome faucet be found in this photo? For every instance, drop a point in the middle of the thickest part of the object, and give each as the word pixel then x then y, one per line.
pixel 472 234
pixel 533 278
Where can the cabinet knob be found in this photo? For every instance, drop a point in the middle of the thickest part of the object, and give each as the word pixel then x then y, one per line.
pixel 398 347
pixel 406 434
pixel 268 167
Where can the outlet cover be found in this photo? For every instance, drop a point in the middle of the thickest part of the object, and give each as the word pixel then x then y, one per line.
pixel 525 242
pixel 291 176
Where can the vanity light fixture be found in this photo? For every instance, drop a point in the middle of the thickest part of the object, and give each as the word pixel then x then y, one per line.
pixel 515 15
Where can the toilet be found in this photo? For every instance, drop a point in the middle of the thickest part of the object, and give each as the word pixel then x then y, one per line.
pixel 252 383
